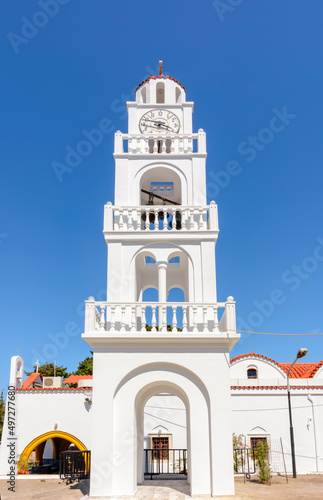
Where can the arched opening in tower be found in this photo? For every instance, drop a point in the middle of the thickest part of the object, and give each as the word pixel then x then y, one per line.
pixel 165 437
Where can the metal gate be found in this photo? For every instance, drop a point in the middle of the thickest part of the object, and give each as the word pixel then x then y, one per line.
pixel 244 461
pixel 165 462
pixel 74 465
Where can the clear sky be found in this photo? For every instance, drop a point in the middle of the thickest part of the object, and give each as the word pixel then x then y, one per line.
pixel 254 71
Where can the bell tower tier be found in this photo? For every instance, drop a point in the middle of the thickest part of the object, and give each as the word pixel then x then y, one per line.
pixel 161 326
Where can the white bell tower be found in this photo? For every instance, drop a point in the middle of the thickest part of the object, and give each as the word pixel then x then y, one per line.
pixel 161 235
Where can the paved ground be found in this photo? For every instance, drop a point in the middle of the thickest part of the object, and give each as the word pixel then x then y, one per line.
pixel 303 488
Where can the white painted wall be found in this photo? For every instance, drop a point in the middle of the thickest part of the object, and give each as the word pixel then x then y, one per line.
pixel 166 413
pixel 39 411
pixel 257 412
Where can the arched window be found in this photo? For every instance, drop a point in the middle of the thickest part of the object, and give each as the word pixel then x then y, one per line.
pixel 252 373
pixel 143 94
pixel 160 93
pixel 178 95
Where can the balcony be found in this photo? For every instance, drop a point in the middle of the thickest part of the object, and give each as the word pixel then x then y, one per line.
pixel 154 144
pixel 161 317
pixel 161 218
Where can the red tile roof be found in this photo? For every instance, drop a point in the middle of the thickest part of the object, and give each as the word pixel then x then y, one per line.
pixel 155 77
pixel 299 370
pixel 54 389
pixel 31 379
pixel 73 379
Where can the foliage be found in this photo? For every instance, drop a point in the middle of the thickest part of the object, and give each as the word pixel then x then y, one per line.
pixel 169 328
pixel 238 444
pixel 2 412
pixel 25 464
pixel 85 367
pixel 262 462
pixel 181 466
pixel 47 370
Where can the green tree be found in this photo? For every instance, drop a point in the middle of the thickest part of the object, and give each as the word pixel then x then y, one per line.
pixel 262 462
pixel 47 370
pixel 85 367
pixel 2 412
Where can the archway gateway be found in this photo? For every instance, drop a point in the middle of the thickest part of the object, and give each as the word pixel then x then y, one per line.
pixel 60 440
pixel 165 437
pixel 130 399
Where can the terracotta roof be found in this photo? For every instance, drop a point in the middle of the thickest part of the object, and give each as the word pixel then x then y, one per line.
pixel 31 379
pixel 299 370
pixel 157 77
pixel 54 389
pixel 73 379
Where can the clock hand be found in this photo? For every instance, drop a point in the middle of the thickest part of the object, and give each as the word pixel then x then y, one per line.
pixel 159 124
pixel 155 122
pixel 159 127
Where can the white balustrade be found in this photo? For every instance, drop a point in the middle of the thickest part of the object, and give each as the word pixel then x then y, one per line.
pixel 160 143
pixel 161 218
pixel 144 316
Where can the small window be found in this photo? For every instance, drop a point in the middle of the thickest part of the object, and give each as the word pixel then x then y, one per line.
pixel 174 260
pixel 178 95
pixel 150 260
pixel 160 446
pixel 143 94
pixel 160 93
pixel 252 373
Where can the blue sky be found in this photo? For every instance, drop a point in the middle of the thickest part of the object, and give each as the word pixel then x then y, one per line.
pixel 243 63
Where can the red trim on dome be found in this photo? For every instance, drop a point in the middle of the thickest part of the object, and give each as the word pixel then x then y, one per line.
pixel 299 370
pixel 257 355
pixel 157 77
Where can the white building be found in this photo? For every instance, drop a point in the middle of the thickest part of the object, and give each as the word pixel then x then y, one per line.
pixel 50 419
pixel 161 355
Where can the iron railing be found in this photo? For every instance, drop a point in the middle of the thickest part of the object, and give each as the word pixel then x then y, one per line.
pixel 244 461
pixel 74 465
pixel 165 461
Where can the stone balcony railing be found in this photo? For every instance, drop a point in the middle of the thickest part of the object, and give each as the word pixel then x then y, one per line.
pixel 159 316
pixel 160 143
pixel 161 218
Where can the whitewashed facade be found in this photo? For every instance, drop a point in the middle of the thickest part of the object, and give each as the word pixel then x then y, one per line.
pixel 259 410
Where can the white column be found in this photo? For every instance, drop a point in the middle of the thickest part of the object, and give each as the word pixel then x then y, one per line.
pixel 108 217
pixel 162 287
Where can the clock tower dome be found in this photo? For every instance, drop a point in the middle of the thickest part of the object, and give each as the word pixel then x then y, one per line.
pixel 161 236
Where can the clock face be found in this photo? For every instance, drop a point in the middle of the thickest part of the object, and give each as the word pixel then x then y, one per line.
pixel 160 121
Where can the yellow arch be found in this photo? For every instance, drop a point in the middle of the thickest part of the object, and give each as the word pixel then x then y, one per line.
pixel 50 435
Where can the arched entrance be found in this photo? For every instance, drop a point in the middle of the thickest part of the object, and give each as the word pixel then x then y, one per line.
pixel 130 399
pixel 165 437
pixel 60 441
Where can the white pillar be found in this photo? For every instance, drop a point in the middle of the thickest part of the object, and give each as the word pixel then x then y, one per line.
pixel 162 288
